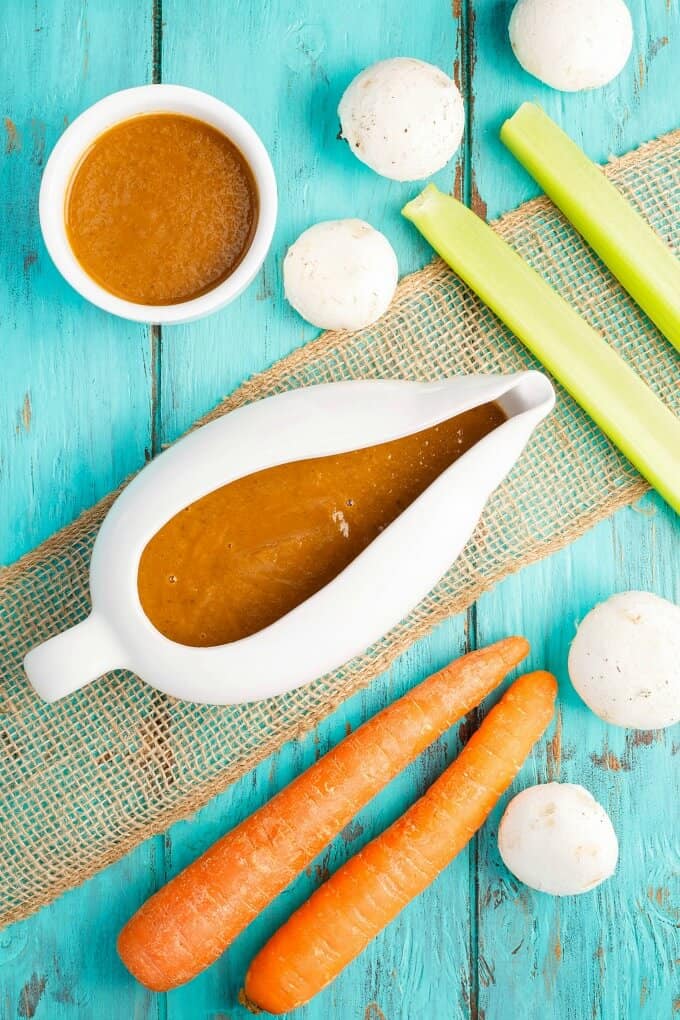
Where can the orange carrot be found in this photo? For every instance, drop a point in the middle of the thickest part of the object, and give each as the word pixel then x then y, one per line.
pixel 339 920
pixel 188 923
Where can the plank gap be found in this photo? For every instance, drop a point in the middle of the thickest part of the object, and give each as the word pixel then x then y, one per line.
pixel 473 720
pixel 157 41
pixel 156 367
pixel 155 331
pixel 162 842
pixel 466 56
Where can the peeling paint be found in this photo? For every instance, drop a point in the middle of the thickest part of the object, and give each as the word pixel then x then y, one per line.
pixel 609 762
pixel 85 35
pixel 644 991
pixel 635 739
pixel 264 291
pixel 477 203
pixel 271 776
pixel 37 142
pixel 64 993
pixel 472 51
pixel 553 957
pixel 322 872
pixel 27 413
pixel 468 726
pixel 659 894
pixel 599 956
pixel 643 738
pixel 456 73
pixel 655 45
pixel 30 259
pixel 31 995
pixel 642 70
pixel 644 60
pixel 458 182
pixel 624 763
pixel 352 831
pixel 13 140
pixel 374 1012
pixel 660 897
pixel 554 750
pixel 487 973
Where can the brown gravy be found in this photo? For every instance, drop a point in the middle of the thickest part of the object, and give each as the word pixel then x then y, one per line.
pixel 246 554
pixel 161 208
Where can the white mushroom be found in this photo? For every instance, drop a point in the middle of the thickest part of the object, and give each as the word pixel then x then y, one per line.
pixel 625 660
pixel 572 44
pixel 556 838
pixel 403 118
pixel 340 274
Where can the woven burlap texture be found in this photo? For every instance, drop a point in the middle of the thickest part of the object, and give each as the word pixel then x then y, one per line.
pixel 83 781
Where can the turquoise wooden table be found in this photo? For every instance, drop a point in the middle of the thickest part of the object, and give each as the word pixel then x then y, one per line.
pixel 86 398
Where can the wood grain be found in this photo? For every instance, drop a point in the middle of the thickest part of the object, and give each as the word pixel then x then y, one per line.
pixel 75 409
pixel 610 954
pixel 75 419
pixel 86 397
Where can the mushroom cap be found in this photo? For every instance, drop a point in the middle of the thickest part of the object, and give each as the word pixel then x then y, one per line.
pixel 340 274
pixel 572 44
pixel 557 839
pixel 625 660
pixel 402 117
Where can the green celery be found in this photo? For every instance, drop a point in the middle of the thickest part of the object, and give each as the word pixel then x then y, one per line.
pixel 625 242
pixel 624 407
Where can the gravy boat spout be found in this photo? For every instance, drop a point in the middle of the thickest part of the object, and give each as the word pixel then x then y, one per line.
pixel 360 604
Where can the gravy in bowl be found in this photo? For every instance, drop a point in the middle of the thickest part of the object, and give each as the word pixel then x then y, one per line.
pixel 240 558
pixel 161 208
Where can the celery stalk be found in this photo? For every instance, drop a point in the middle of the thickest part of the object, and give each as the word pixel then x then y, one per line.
pixel 625 242
pixel 624 407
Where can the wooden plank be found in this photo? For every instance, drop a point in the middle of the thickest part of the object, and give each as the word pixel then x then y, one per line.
pixel 638 105
pixel 396 972
pixel 75 408
pixel 74 420
pixel 304 56
pixel 284 66
pixel 61 964
pixel 614 952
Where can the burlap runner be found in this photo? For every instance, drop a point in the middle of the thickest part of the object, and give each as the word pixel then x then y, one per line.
pixel 83 781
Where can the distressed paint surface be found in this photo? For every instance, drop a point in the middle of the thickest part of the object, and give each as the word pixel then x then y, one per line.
pixel 85 397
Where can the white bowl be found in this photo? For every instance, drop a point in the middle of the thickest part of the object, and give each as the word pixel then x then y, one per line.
pixel 112 110
pixel 371 595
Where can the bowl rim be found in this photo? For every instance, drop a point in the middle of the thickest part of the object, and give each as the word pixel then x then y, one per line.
pixel 123 105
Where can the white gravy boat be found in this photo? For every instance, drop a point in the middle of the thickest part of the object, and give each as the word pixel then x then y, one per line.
pixel 371 595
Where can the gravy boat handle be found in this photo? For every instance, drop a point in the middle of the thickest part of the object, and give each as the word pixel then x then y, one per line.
pixel 74 658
